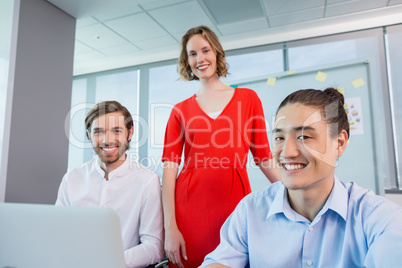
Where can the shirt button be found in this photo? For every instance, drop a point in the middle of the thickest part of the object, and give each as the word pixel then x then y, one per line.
pixel 309 263
pixel 310 229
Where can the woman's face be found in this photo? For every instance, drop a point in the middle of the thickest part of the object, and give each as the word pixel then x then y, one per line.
pixel 303 149
pixel 201 57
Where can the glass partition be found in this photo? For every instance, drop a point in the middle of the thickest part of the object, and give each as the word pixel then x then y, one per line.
pixel 6 25
pixel 394 58
pixel 366 46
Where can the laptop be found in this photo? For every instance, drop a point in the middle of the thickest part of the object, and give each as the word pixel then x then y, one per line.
pixel 47 236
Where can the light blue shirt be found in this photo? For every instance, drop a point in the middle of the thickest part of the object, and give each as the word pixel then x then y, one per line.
pixel 355 228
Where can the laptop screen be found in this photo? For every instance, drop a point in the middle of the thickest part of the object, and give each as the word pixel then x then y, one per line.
pixel 59 237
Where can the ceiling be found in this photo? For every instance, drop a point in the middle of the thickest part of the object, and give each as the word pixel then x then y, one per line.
pixel 119 33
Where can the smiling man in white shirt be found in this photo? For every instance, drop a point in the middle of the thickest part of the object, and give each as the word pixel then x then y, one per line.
pixel 115 181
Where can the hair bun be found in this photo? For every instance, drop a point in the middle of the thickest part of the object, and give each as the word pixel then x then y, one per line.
pixel 335 94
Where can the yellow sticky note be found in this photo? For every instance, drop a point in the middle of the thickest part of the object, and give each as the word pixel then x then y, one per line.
pixel 321 76
pixel 358 82
pixel 341 90
pixel 291 72
pixel 271 81
pixel 345 106
pixel 227 84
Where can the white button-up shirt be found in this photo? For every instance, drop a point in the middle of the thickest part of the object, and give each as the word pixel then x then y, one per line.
pixel 134 193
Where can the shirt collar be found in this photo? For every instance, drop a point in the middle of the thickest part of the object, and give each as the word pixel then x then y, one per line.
pixel 277 204
pixel 337 202
pixel 113 173
pixel 281 205
pixel 339 199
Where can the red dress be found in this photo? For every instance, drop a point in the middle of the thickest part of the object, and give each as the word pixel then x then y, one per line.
pixel 214 175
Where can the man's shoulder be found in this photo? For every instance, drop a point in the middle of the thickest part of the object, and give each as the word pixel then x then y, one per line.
pixel 141 171
pixel 359 196
pixel 263 197
pixel 366 203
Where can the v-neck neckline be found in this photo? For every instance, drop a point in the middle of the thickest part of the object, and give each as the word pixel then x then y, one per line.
pixel 224 109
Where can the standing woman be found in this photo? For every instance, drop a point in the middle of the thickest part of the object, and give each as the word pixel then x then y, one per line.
pixel 217 127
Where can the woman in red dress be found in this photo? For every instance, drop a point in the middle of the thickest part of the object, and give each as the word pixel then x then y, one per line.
pixel 216 128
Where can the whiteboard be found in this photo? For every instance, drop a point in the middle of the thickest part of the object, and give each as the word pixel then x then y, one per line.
pixel 358 161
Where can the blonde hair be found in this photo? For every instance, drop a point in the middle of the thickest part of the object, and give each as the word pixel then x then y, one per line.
pixel 184 69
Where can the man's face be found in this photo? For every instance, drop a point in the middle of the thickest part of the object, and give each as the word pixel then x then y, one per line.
pixel 109 137
pixel 303 148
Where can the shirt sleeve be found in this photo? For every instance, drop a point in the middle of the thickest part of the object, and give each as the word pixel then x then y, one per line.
pixel 150 250
pixel 174 137
pixel 384 238
pixel 233 248
pixel 259 145
pixel 62 195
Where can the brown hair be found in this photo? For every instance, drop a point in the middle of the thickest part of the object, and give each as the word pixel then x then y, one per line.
pixel 184 69
pixel 107 107
pixel 331 103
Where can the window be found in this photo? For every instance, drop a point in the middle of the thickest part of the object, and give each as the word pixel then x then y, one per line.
pixel 165 90
pixel 254 64
pixel 365 46
pixel 88 90
pixel 79 146
pixel 321 54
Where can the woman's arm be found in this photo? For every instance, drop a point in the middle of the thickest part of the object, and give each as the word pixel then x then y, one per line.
pixel 259 144
pixel 174 241
pixel 269 169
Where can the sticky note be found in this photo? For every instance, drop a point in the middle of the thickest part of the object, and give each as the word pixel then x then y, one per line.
pixel 358 82
pixel 227 84
pixel 271 81
pixel 291 72
pixel 345 106
pixel 341 90
pixel 321 76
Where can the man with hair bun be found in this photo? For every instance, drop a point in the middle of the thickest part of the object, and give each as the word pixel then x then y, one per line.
pixel 311 218
pixel 113 180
